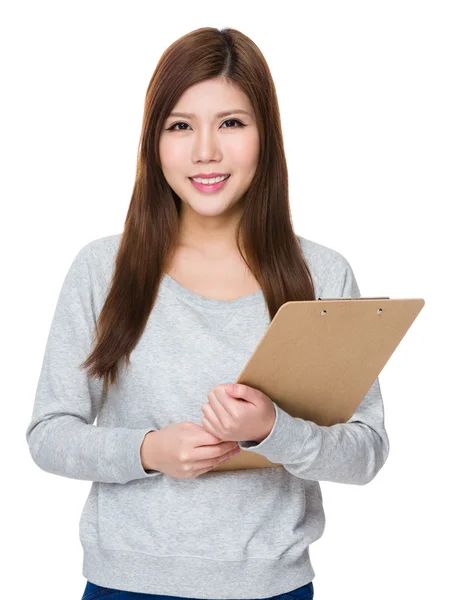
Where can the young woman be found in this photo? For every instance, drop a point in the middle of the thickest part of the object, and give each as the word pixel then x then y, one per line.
pixel 152 327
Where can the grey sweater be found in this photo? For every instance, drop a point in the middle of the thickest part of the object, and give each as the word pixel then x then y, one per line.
pixel 228 534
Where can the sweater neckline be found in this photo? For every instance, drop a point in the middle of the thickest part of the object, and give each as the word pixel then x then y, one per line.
pixel 205 302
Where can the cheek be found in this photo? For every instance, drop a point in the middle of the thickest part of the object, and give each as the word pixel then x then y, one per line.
pixel 172 155
pixel 244 154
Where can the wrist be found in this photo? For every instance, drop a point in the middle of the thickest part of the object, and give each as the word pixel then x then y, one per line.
pixel 267 433
pixel 147 451
pixel 263 437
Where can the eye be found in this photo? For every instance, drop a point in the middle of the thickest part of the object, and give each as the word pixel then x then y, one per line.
pixel 240 124
pixel 173 127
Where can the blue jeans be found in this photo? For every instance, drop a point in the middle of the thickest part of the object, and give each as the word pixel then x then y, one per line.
pixel 96 592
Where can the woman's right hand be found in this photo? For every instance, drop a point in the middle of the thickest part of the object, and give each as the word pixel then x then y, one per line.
pixel 184 450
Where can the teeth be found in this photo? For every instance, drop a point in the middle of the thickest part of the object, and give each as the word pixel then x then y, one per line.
pixel 209 181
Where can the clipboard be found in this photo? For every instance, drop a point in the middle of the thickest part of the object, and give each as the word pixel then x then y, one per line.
pixel 318 358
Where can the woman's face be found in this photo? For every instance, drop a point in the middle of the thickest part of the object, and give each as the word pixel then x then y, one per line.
pixel 204 142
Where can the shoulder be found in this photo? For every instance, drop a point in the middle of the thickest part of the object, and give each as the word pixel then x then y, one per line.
pixel 102 247
pixel 99 252
pixel 94 262
pixel 329 268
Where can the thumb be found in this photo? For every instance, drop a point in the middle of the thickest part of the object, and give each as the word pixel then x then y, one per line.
pixel 239 390
pixel 207 434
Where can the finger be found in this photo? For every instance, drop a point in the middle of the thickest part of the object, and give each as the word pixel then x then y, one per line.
pixel 221 415
pixel 211 417
pixel 210 427
pixel 230 410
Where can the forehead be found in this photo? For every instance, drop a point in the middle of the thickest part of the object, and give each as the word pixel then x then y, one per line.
pixel 207 99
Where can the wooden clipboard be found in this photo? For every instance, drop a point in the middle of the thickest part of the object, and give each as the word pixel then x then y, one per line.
pixel 318 358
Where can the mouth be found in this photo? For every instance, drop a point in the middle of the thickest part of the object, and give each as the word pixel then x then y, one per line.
pixel 209 187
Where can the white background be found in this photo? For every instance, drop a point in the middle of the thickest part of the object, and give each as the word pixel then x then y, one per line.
pixel 369 98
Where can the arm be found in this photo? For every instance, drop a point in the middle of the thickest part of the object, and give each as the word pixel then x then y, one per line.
pixel 148 450
pixel 61 436
pixel 351 452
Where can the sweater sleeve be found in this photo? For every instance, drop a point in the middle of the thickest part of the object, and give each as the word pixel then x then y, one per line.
pixel 61 436
pixel 351 452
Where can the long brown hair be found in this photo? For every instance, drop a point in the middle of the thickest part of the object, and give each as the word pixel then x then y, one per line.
pixel 265 236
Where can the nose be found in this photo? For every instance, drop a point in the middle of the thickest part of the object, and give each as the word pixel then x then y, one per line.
pixel 206 146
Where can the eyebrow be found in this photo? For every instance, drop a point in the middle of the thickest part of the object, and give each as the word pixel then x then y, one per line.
pixel 225 113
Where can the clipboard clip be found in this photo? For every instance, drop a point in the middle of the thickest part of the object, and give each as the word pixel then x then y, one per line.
pixel 360 298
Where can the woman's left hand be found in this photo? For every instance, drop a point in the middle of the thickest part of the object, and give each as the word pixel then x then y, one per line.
pixel 238 413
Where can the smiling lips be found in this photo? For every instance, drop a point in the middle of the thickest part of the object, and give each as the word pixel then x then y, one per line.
pixel 209 187
pixel 206 176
